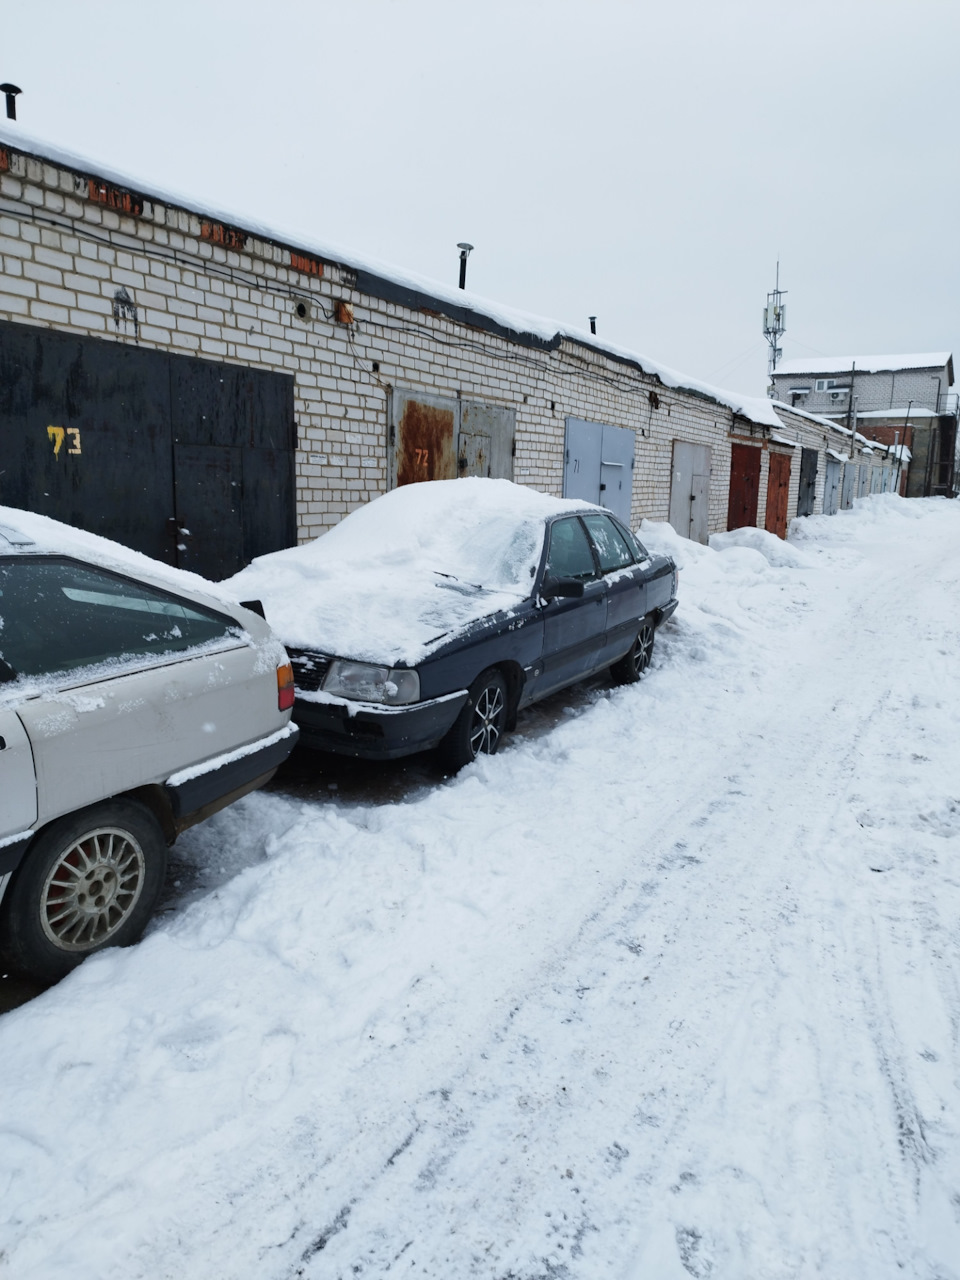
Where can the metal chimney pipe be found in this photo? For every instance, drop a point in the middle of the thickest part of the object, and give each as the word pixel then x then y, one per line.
pixel 464 255
pixel 593 323
pixel 11 92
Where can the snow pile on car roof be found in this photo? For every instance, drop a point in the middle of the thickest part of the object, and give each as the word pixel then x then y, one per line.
pixel 26 531
pixel 404 571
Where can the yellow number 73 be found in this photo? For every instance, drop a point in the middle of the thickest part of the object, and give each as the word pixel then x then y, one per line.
pixel 57 434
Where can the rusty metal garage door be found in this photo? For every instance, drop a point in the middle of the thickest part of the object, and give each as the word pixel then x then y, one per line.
pixel 778 492
pixel 440 438
pixel 744 486
pixel 189 461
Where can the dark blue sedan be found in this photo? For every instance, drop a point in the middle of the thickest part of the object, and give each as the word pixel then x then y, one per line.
pixel 431 616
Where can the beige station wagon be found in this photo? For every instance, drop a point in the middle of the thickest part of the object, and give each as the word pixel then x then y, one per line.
pixel 129 710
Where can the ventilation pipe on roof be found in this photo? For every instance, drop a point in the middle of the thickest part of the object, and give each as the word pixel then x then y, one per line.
pixel 464 255
pixel 593 323
pixel 11 92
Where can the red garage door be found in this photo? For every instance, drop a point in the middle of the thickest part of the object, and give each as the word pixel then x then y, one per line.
pixel 744 486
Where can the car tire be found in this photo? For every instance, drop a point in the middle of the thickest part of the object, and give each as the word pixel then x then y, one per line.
pixel 629 668
pixel 479 727
pixel 90 880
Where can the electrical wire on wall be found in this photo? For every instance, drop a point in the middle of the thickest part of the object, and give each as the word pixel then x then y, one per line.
pixel 539 363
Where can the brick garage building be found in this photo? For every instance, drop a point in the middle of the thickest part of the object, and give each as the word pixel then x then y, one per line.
pixel 893 399
pixel 206 391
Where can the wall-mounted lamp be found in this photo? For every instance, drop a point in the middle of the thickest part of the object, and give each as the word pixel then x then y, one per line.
pixel 11 92
pixel 464 255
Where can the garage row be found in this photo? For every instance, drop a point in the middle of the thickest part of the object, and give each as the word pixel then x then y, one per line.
pixel 200 389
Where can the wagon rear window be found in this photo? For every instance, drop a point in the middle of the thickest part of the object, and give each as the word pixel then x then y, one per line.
pixel 57 615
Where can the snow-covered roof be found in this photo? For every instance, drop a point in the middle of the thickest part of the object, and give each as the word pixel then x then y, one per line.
pixel 457 302
pixel 818 418
pixel 811 365
pixel 899 414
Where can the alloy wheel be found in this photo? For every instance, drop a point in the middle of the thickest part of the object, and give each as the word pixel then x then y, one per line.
pixel 643 649
pixel 92 889
pixel 487 722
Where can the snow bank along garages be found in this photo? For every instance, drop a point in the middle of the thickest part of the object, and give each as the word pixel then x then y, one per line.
pixel 205 390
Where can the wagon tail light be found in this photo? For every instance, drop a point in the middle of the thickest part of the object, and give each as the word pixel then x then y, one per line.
pixel 285 689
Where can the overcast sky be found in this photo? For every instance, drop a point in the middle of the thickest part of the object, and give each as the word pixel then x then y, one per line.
pixel 645 162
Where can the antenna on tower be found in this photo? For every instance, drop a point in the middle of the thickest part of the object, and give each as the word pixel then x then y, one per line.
pixel 774 323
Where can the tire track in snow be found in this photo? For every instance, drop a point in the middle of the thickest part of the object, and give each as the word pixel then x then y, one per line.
pixel 781 1252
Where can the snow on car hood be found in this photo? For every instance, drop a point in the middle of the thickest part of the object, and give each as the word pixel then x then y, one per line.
pixel 406 570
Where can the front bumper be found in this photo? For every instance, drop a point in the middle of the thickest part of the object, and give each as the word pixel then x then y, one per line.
pixel 373 732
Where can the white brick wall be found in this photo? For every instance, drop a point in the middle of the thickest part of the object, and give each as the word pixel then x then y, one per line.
pixel 64 256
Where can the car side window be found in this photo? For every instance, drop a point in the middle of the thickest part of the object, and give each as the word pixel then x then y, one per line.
pixel 640 552
pixel 58 615
pixel 569 555
pixel 613 551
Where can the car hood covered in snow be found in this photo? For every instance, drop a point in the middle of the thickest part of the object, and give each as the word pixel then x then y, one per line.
pixel 397 576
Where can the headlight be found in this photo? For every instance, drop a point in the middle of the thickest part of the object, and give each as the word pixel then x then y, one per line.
pixel 366 683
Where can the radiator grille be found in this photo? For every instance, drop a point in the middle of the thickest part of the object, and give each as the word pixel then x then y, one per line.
pixel 309 668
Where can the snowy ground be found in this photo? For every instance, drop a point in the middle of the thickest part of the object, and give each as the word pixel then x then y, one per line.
pixel 670 990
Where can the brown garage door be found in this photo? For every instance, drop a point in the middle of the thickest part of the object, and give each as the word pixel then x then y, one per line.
pixel 744 486
pixel 778 491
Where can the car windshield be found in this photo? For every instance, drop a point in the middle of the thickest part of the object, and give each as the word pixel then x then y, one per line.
pixel 58 615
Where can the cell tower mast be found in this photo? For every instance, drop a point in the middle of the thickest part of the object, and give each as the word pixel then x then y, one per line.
pixel 774 323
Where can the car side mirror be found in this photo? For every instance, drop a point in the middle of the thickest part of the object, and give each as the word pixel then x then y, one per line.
pixel 255 606
pixel 568 588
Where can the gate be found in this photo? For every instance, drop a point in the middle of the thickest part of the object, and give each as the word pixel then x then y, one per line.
pixel 778 493
pixel 831 488
pixel 486 440
pixel 849 484
pixel 186 460
pixel 598 465
pixel 864 480
pixel 690 490
pixel 807 497
pixel 438 438
pixel 744 486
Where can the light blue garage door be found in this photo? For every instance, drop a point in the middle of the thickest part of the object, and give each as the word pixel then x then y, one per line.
pixel 598 465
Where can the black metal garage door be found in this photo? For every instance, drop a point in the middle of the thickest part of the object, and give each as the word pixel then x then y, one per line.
pixel 189 461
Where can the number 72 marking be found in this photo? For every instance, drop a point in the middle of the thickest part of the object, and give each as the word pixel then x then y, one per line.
pixel 56 436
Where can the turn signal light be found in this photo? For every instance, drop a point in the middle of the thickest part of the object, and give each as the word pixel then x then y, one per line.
pixel 285 690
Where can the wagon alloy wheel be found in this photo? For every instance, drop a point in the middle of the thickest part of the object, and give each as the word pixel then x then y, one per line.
pixel 88 880
pixel 93 889
pixel 486 724
pixel 635 661
pixel 479 727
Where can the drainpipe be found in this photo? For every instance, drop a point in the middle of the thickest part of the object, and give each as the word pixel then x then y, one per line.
pixel 906 425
